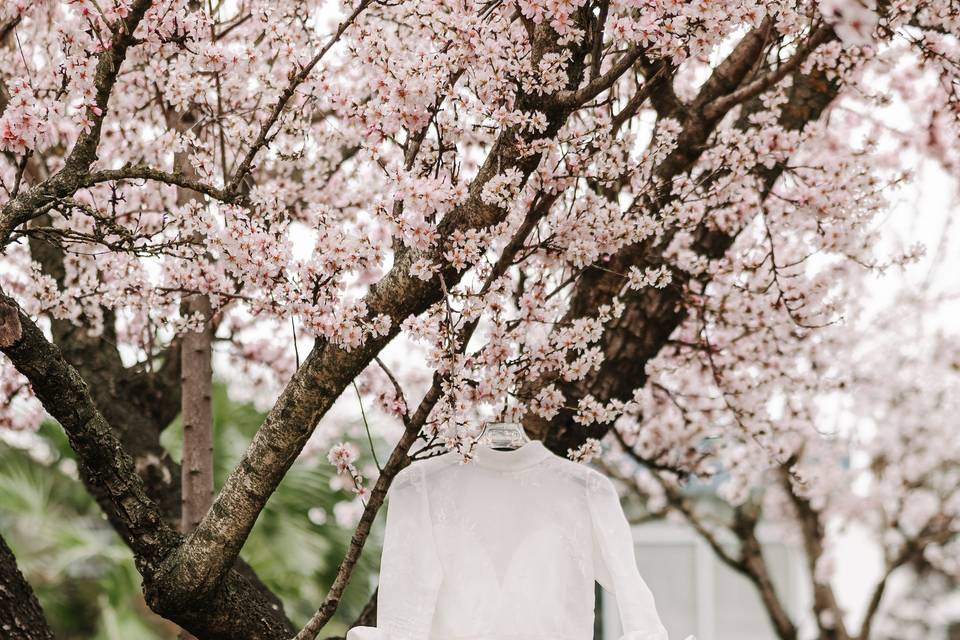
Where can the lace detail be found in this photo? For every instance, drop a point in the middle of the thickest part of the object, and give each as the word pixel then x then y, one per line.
pixel 452 519
pixel 530 477
pixel 411 475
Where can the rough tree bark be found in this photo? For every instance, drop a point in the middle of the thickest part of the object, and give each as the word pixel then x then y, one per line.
pixel 21 617
pixel 138 403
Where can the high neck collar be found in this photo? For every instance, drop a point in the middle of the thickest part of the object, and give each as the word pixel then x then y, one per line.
pixel 528 454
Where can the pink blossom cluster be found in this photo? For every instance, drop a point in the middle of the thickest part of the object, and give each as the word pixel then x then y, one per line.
pixel 23 125
pixel 342 456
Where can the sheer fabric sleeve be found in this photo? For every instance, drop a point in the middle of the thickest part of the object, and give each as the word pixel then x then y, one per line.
pixel 410 572
pixel 615 564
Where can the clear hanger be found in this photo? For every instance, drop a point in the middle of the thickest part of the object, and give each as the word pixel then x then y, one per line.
pixel 503 435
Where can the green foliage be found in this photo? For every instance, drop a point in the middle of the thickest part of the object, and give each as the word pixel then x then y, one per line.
pixel 85 577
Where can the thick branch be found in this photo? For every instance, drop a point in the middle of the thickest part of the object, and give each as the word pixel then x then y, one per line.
pixel 65 396
pixel 146 172
pixel 722 105
pixel 264 137
pixel 598 85
pixel 21 617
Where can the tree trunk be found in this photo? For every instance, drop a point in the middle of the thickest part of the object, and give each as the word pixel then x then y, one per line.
pixel 21 617
pixel 197 380
pixel 196 377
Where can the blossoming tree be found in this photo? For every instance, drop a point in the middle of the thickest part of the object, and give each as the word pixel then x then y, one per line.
pixel 845 425
pixel 538 195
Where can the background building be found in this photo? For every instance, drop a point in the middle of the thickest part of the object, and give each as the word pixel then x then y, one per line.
pixel 698 594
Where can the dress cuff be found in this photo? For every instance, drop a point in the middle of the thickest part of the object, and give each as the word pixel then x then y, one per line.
pixel 366 633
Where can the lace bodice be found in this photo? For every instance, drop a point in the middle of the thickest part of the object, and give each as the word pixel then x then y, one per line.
pixel 505 547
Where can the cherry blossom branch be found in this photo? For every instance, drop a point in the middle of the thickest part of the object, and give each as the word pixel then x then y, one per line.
pixel 75 173
pixel 145 172
pixel 723 104
pixel 750 562
pixel 732 71
pixel 595 57
pixel 264 137
pixel 935 531
pixel 775 279
pixel 405 416
pixel 395 463
pixel 652 83
pixel 600 84
pixel 651 316
pixel 413 425
pixel 66 181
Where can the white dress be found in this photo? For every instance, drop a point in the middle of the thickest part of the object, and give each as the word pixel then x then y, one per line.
pixel 505 547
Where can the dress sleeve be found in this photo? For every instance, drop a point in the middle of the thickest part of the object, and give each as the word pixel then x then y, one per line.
pixel 410 571
pixel 615 564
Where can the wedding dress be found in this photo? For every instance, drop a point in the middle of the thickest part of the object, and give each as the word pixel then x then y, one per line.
pixel 506 546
